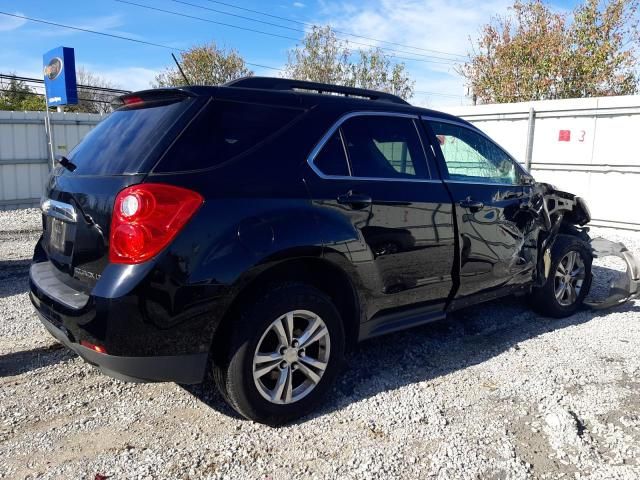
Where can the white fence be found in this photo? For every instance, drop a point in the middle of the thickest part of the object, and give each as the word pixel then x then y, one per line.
pixel 584 146
pixel 24 161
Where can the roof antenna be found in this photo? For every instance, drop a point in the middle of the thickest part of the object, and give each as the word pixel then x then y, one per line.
pixel 181 71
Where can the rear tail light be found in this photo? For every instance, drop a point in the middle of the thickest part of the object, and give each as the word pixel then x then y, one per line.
pixel 146 218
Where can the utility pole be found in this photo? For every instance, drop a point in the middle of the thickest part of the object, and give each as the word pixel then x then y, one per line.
pixel 49 133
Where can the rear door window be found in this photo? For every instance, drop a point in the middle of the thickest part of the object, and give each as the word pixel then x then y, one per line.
pixel 125 142
pixel 224 130
pixel 384 146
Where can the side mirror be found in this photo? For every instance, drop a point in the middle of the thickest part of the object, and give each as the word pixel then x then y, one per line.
pixel 527 180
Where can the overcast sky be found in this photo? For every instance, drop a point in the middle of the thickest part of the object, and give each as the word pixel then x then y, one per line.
pixel 429 34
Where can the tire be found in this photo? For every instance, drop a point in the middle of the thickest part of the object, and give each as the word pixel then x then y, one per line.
pixel 257 336
pixel 551 299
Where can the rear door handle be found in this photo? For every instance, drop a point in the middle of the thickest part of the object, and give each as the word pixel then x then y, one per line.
pixel 355 200
pixel 471 204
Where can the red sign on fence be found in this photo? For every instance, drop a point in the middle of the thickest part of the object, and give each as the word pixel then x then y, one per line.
pixel 564 136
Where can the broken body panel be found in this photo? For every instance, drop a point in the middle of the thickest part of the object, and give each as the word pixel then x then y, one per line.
pixel 557 212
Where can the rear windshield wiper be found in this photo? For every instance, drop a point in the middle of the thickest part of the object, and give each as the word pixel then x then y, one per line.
pixel 66 163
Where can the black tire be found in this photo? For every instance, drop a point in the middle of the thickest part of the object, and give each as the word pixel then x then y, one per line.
pixel 234 374
pixel 543 299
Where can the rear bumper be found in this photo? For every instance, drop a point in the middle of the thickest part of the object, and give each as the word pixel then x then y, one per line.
pixel 185 369
pixel 143 342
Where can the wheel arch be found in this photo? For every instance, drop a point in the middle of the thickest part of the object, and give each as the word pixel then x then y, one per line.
pixel 318 272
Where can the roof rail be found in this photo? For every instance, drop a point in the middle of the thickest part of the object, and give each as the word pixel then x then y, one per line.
pixel 273 83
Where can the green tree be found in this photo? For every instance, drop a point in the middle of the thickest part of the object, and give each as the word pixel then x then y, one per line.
pixel 325 58
pixel 205 65
pixel 604 44
pixel 18 96
pixel 536 54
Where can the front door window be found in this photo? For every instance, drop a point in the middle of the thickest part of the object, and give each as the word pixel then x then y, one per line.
pixel 470 156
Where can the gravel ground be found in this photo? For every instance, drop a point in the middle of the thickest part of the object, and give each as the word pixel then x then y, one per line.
pixel 494 392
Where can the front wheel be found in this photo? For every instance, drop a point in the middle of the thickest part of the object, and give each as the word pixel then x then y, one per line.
pixel 284 354
pixel 569 278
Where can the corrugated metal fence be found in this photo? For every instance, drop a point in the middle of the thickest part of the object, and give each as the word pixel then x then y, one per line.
pixel 24 163
pixel 585 146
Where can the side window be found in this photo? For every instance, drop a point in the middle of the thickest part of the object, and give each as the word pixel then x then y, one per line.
pixel 331 160
pixel 224 130
pixel 384 147
pixel 469 155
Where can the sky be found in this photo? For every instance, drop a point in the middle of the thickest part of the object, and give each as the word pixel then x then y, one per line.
pixel 429 36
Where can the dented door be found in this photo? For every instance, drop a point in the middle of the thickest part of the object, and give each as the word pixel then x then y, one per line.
pixel 486 186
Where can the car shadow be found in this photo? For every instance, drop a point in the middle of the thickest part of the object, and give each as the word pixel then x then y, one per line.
pixel 25 361
pixel 14 277
pixel 467 337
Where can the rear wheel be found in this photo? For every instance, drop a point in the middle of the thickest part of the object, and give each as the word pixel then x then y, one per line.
pixel 569 278
pixel 284 354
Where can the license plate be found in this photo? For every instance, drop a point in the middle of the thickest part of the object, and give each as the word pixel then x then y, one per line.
pixel 58 235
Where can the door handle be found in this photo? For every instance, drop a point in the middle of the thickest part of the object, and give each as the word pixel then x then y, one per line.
pixel 473 205
pixel 355 200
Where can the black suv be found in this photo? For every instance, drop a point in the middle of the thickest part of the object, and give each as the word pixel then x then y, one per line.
pixel 257 230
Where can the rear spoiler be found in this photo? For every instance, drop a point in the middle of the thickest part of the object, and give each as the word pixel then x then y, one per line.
pixel 149 96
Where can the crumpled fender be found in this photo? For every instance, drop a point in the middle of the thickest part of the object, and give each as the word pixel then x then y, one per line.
pixel 556 211
pixel 626 286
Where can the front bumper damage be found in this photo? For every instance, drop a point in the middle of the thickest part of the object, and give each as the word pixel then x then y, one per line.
pixel 626 286
pixel 559 212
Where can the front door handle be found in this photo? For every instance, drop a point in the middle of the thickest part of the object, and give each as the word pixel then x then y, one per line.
pixel 471 204
pixel 355 200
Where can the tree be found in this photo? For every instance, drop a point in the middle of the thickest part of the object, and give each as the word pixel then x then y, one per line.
pixel 537 54
pixel 92 100
pixel 604 41
pixel 325 58
pixel 17 95
pixel 205 65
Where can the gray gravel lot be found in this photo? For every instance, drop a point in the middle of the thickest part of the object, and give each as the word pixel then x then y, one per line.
pixel 494 392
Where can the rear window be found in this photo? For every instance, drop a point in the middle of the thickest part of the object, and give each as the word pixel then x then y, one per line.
pixel 224 130
pixel 125 141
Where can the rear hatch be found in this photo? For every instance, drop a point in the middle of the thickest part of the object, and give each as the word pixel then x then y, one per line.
pixel 80 193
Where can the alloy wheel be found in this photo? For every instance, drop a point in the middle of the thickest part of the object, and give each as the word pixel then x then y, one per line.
pixel 569 278
pixel 291 357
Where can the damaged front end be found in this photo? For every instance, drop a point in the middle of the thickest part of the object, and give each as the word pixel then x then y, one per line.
pixel 559 212
pixel 625 286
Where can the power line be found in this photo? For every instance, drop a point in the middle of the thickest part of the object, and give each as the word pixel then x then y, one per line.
pixel 84 87
pixel 122 37
pixel 112 35
pixel 42 95
pixel 304 32
pixel 423 92
pixel 149 7
pixel 337 31
pixel 271 34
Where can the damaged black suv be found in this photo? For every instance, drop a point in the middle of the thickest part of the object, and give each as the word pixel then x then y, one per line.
pixel 257 230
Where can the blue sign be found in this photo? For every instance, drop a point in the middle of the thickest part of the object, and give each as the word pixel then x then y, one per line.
pixel 59 67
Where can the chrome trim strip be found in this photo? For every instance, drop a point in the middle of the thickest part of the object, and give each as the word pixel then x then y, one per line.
pixel 61 211
pixel 475 182
pixel 338 123
pixel 470 126
pixel 346 154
